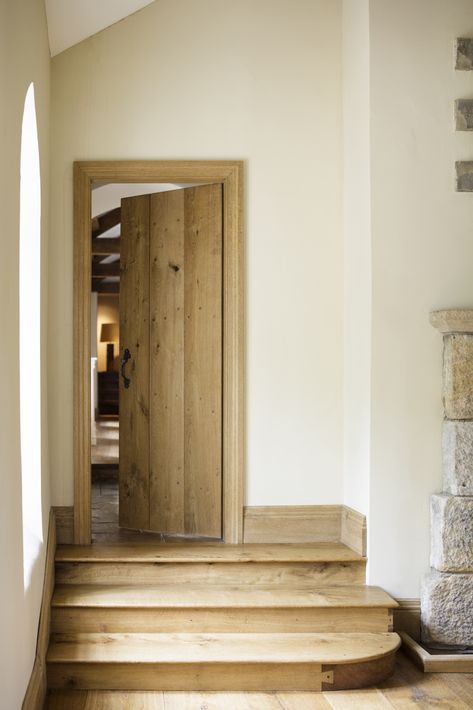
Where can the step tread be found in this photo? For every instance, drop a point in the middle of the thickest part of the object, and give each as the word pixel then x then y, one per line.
pixel 339 648
pixel 221 596
pixel 208 552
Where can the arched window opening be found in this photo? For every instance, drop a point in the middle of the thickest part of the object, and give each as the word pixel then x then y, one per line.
pixel 30 330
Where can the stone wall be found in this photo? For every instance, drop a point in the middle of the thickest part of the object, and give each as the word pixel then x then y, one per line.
pixel 447 592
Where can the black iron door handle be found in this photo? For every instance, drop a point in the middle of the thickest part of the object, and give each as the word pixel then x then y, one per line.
pixel 125 357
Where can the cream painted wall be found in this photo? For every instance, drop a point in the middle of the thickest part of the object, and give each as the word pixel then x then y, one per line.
pixel 259 81
pixel 24 57
pixel 357 255
pixel 422 258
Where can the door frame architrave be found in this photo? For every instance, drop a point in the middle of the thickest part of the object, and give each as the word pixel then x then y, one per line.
pixel 230 174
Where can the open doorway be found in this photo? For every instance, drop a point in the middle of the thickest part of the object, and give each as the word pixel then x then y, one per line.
pixel 94 272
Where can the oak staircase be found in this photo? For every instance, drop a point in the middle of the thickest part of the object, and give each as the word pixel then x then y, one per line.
pixel 215 617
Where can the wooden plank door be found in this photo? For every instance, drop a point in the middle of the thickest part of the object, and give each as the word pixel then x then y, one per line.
pixel 176 465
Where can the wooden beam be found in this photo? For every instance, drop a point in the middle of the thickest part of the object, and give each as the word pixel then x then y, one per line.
pixel 105 247
pixel 105 221
pixel 101 287
pixel 106 269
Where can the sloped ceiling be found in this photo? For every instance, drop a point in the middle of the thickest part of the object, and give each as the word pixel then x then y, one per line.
pixel 71 21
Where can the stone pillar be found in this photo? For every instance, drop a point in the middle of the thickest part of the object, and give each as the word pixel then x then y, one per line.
pixel 447 592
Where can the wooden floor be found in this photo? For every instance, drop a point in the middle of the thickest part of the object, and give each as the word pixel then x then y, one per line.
pixel 407 688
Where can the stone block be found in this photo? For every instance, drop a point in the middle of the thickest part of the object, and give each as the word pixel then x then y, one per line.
pixel 451 533
pixel 458 376
pixel 452 320
pixel 447 608
pixel 457 450
pixel 464 54
pixel 464 115
pixel 464 175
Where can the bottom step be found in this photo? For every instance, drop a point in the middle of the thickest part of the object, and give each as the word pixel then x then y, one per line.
pixel 252 662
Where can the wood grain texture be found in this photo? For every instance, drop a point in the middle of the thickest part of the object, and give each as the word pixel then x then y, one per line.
pixel 211 676
pixel 203 361
pixel 134 496
pixel 407 617
pixel 64 516
pixel 230 175
pixel 292 524
pixel 220 620
pixel 299 574
pixel 353 530
pixel 229 554
pixel 36 690
pixel 214 596
pixel 167 475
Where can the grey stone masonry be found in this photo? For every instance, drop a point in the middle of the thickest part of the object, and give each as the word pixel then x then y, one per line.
pixel 464 175
pixel 452 533
pixel 457 450
pixel 464 54
pixel 464 114
pixel 446 608
pixel 458 375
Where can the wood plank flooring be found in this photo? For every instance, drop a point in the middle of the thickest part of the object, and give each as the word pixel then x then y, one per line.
pixel 407 688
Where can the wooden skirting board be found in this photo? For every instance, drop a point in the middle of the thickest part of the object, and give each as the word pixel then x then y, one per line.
pixel 436 663
pixel 275 524
pixel 407 617
pixel 305 523
pixel 36 692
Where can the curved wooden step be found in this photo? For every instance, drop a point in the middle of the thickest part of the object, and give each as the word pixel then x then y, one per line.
pixel 220 661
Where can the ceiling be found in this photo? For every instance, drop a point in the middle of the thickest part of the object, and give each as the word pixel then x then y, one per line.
pixel 71 21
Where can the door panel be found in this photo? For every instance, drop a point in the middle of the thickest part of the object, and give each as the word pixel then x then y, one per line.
pixel 172 268
pixel 203 360
pixel 134 335
pixel 167 477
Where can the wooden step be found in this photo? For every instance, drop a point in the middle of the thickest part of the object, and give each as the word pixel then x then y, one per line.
pixel 205 608
pixel 241 661
pixel 301 565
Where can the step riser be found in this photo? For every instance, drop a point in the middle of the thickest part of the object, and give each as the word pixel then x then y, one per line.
pixel 219 676
pixel 298 574
pixel 251 620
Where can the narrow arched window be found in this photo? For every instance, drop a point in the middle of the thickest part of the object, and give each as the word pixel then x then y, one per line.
pixel 30 340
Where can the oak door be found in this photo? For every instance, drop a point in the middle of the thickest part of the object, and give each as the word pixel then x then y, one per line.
pixel 170 472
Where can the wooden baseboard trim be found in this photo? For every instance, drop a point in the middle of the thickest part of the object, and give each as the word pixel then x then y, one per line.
pixel 429 663
pixel 407 617
pixel 36 691
pixel 64 524
pixel 292 523
pixel 304 524
pixel 353 530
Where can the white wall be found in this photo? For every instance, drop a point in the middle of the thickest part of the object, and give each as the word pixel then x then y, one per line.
pixel 259 81
pixel 422 258
pixel 24 57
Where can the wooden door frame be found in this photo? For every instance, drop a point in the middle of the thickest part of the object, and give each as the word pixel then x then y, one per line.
pixel 230 175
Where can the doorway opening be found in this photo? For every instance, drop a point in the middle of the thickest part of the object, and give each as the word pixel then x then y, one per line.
pixel 158 334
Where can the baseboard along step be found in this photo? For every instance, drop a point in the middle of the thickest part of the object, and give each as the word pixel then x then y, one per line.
pixel 242 661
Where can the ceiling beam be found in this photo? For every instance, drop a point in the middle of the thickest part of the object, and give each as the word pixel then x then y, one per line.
pixel 105 247
pixel 105 221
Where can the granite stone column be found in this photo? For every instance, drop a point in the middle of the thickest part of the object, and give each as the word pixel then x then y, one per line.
pixel 447 592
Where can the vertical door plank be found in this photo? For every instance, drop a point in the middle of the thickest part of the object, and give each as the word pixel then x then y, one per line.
pixel 203 360
pixel 167 362
pixel 134 335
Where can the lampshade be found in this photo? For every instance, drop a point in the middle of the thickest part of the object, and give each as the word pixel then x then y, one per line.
pixel 109 333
